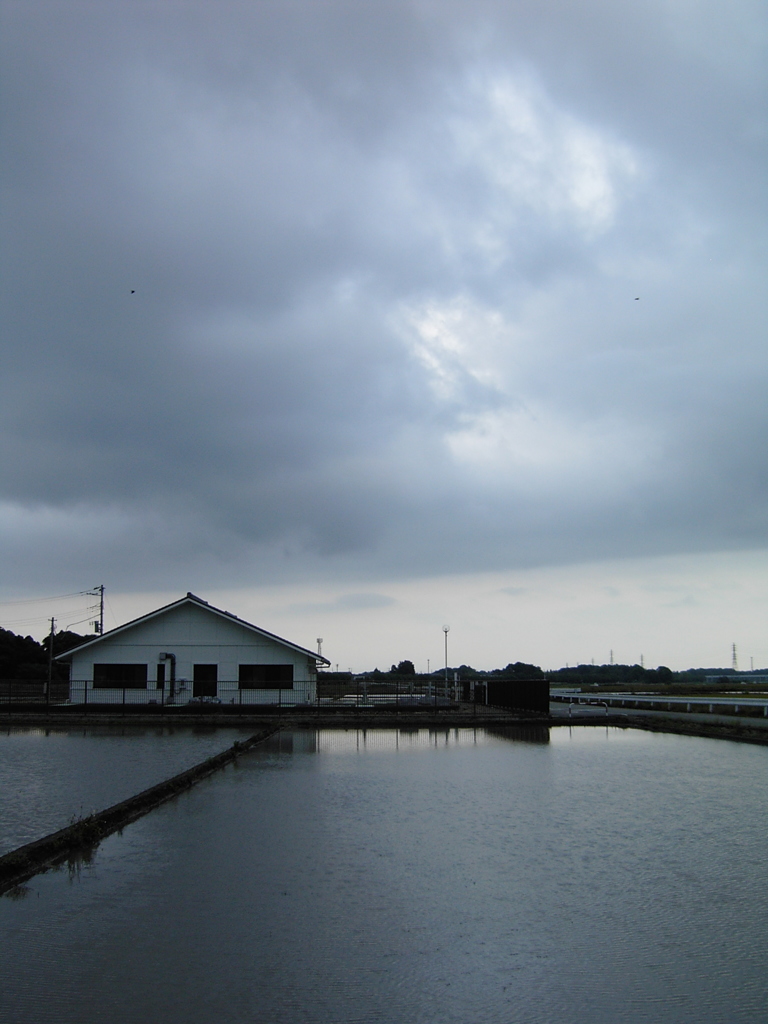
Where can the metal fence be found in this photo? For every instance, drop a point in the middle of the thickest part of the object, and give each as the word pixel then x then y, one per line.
pixel 31 692
pixel 227 697
pixel 82 697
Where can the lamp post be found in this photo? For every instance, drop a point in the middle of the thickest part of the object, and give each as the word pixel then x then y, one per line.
pixel 445 690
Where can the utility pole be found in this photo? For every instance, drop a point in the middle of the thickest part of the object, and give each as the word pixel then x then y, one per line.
pixel 50 663
pixel 98 626
pixel 734 659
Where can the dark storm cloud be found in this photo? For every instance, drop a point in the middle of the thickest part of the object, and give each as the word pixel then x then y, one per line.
pixel 295 288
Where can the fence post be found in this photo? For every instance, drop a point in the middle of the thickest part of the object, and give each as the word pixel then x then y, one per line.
pixel 85 695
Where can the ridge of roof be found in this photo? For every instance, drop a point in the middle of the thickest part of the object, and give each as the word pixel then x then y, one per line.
pixel 191 598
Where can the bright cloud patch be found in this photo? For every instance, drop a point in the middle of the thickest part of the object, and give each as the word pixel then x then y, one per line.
pixel 540 157
pixel 458 342
pixel 531 447
pixel 480 363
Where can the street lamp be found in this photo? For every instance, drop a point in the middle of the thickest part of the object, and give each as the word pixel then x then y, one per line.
pixel 445 630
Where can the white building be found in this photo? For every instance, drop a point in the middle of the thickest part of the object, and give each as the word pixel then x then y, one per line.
pixel 187 650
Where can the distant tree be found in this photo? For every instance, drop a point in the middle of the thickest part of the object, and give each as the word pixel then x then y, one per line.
pixel 63 641
pixel 404 668
pixel 334 677
pixel 520 670
pixel 618 675
pixel 21 657
pixel 66 640
pixel 467 673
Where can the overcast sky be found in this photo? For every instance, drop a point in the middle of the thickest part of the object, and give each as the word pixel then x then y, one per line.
pixel 336 310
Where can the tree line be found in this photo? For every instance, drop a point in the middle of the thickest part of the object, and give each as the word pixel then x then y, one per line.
pixel 574 675
pixel 23 658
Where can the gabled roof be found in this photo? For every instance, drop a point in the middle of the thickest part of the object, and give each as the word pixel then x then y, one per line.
pixel 198 602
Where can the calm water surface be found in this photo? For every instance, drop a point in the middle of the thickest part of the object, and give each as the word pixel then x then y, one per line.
pixel 47 776
pixel 602 876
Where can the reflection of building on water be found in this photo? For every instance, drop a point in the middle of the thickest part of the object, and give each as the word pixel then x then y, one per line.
pixel 356 741
pixel 520 733
pixel 287 742
pixel 353 741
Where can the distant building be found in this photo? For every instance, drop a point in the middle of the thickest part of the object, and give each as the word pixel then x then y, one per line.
pixel 191 650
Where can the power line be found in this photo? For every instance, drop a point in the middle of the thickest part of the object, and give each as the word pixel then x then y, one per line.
pixel 21 622
pixel 111 610
pixel 88 618
pixel 89 609
pixel 57 597
pixel 4 623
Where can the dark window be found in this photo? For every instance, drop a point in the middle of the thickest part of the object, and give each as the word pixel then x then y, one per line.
pixel 204 680
pixel 111 677
pixel 161 676
pixel 266 677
